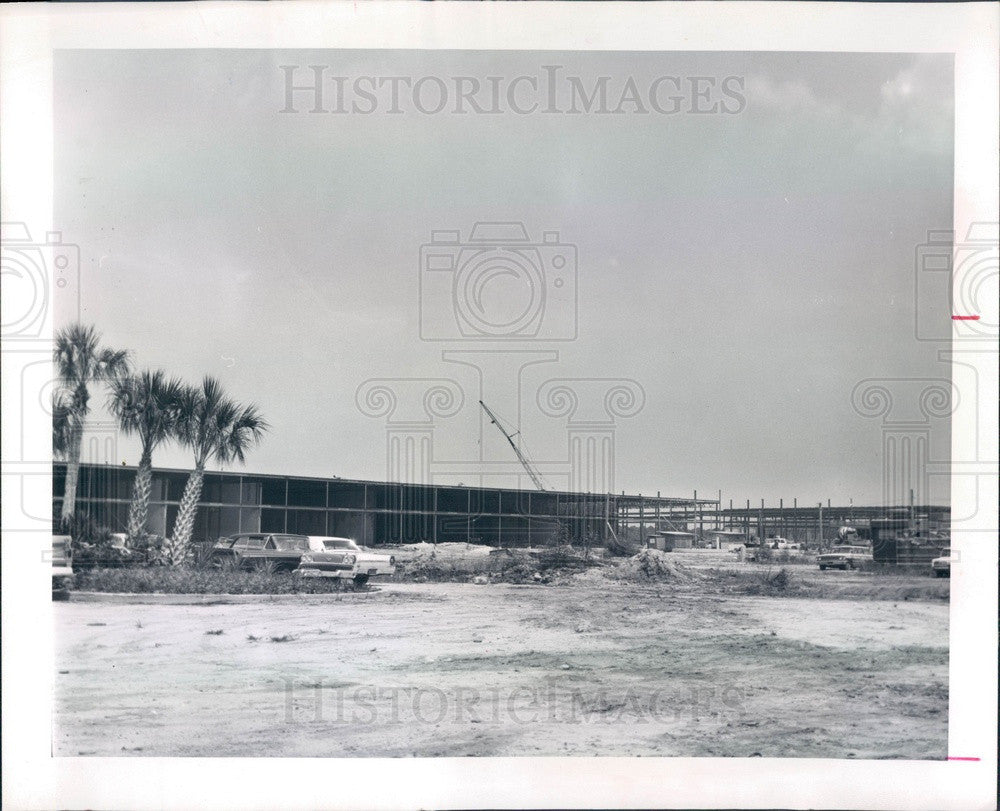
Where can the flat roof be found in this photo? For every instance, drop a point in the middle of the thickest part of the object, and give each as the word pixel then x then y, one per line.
pixel 635 498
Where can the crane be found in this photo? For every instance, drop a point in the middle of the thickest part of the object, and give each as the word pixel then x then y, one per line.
pixel 534 474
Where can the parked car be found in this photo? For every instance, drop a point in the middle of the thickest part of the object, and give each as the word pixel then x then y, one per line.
pixel 343 558
pixel 942 566
pixel 62 566
pixel 276 552
pixel 845 557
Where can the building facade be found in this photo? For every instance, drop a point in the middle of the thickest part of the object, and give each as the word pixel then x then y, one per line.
pixel 371 512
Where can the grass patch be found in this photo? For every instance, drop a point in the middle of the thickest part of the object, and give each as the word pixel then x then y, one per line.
pixel 219 632
pixel 192 580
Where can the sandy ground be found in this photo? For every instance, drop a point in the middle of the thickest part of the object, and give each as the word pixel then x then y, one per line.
pixel 456 669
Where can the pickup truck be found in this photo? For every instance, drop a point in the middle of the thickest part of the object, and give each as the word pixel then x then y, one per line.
pixel 343 558
pixel 845 557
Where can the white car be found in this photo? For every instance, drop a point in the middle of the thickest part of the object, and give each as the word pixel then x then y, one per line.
pixel 942 566
pixel 343 558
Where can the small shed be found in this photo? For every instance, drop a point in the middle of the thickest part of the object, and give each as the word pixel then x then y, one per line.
pixel 726 536
pixel 669 541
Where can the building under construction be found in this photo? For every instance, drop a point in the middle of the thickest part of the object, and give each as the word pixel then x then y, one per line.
pixel 374 512
pixel 390 513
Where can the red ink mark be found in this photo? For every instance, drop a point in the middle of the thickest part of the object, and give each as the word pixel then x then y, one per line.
pixel 965 318
pixel 964 758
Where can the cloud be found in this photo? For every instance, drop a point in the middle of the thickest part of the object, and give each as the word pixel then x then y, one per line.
pixel 912 115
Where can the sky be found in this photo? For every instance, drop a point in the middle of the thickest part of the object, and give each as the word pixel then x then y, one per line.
pixel 736 273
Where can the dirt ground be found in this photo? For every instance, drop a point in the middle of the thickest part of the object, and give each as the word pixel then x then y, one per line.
pixel 586 667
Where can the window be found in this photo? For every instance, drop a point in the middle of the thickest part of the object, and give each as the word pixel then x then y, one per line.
pixel 242 542
pixel 416 498
pixel 250 519
pixel 273 492
pixel 346 494
pixel 452 500
pixel 515 501
pixel 485 501
pixel 306 522
pixel 252 491
pixel 289 543
pixel 306 493
pixel 272 520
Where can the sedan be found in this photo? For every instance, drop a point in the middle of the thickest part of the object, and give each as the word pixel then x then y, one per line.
pixel 277 552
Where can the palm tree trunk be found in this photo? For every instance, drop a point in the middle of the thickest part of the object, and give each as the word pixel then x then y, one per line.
pixel 72 472
pixel 138 511
pixel 179 543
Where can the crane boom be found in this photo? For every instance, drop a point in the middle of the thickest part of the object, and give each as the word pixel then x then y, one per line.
pixel 535 477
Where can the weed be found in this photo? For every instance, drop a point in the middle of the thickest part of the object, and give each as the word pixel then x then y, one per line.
pixel 190 579
pixel 285 638
pixel 219 632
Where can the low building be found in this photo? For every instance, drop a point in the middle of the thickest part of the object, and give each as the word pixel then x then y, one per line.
pixel 371 512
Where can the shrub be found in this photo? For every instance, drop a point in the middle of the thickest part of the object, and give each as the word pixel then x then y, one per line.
pixel 191 580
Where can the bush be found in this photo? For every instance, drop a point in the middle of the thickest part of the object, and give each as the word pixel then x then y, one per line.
pixel 768 582
pixel 192 580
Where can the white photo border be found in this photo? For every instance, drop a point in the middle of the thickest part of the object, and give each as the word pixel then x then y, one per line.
pixel 29 33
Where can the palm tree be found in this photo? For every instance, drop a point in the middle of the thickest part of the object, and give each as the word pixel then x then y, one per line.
pixel 147 405
pixel 214 427
pixel 79 360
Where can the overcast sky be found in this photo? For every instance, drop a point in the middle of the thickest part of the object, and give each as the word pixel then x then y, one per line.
pixel 746 269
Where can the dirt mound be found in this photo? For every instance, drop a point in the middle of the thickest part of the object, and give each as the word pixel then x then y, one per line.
pixel 651 564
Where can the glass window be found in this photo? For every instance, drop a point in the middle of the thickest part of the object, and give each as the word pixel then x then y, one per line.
pixel 515 501
pixel 290 543
pixel 229 520
pixel 485 501
pixel 242 542
pixel 273 492
pixel 272 520
pixel 383 496
pixel 306 493
pixel 206 523
pixel 543 504
pixel 417 498
pixel 307 522
pixel 58 480
pixel 156 520
pixel 252 489
pixel 158 490
pixel 486 529
pixel 346 494
pixel 453 529
pixel 452 500
pixel 250 519
pixel 351 525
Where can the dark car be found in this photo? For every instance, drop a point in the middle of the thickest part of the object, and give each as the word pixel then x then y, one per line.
pixel 276 552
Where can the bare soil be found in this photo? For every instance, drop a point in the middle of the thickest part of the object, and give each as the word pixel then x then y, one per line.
pixel 591 666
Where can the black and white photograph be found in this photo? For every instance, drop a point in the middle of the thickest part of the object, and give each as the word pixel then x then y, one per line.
pixel 421 402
